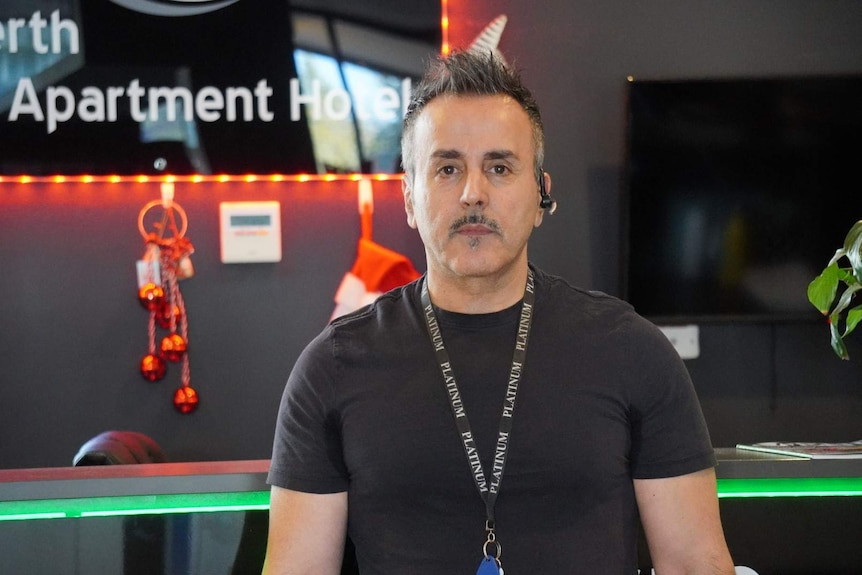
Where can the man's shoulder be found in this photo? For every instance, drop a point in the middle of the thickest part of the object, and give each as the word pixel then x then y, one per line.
pixel 575 308
pixel 376 330
pixel 561 292
pixel 390 310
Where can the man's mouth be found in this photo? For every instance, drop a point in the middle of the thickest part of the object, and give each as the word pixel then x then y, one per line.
pixel 474 230
pixel 474 226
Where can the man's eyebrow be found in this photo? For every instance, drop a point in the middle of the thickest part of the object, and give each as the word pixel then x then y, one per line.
pixel 453 154
pixel 447 154
pixel 500 155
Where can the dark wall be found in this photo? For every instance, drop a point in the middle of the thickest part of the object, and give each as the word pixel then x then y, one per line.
pixel 71 332
pixel 757 382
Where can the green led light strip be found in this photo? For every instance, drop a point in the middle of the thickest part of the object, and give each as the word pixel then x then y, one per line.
pixel 259 500
pixel 134 505
pixel 790 487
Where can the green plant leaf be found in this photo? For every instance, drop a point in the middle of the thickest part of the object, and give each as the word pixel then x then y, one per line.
pixel 839 253
pixel 853 249
pixel 822 289
pixel 854 316
pixel 846 298
pixel 837 341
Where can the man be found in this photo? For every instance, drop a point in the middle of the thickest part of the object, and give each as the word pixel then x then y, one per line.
pixel 489 415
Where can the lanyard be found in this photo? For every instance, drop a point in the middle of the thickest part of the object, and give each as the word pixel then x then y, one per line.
pixel 487 490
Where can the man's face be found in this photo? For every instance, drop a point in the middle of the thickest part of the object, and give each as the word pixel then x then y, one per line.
pixel 473 195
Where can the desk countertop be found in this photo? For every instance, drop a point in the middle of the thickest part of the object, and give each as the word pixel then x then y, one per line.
pixel 250 475
pixel 736 463
pixel 141 479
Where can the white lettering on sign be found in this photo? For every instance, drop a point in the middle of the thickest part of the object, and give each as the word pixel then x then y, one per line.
pixel 39 42
pixel 36 35
pixel 94 104
pixel 337 103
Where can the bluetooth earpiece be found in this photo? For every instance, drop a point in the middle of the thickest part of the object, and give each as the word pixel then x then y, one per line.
pixel 547 202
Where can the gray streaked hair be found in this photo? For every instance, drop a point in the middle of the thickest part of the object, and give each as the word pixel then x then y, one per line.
pixel 470 73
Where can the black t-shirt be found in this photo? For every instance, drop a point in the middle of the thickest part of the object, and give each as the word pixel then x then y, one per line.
pixel 604 398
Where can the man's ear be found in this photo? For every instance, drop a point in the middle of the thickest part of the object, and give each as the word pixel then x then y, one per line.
pixel 407 191
pixel 546 177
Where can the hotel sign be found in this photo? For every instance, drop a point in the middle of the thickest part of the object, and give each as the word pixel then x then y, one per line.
pixel 107 86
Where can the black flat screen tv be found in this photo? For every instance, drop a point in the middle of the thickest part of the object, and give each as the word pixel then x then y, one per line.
pixel 737 192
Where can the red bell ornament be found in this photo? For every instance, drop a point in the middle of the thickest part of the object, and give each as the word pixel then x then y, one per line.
pixel 153 368
pixel 173 347
pixel 151 296
pixel 186 399
pixel 167 311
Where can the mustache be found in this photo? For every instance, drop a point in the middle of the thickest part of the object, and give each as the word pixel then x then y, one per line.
pixel 472 220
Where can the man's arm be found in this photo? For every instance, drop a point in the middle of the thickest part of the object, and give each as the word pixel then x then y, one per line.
pixel 681 520
pixel 307 533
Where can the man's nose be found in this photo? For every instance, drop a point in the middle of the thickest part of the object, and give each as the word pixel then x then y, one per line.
pixel 475 190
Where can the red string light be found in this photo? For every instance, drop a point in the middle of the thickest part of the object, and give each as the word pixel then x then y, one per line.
pixel 194 178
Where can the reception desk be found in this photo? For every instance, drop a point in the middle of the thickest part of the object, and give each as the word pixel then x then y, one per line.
pixel 791 515
pixel 205 518
pixel 781 515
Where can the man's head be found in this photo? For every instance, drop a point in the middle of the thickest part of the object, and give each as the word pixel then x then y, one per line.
pixel 473 153
pixel 470 73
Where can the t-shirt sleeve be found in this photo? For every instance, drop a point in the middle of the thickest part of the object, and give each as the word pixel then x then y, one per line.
pixel 307 451
pixel 669 433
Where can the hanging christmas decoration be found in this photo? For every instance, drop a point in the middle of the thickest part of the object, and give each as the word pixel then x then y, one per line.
pixel 151 296
pixel 167 313
pixel 186 399
pixel 153 367
pixel 166 261
pixel 376 270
